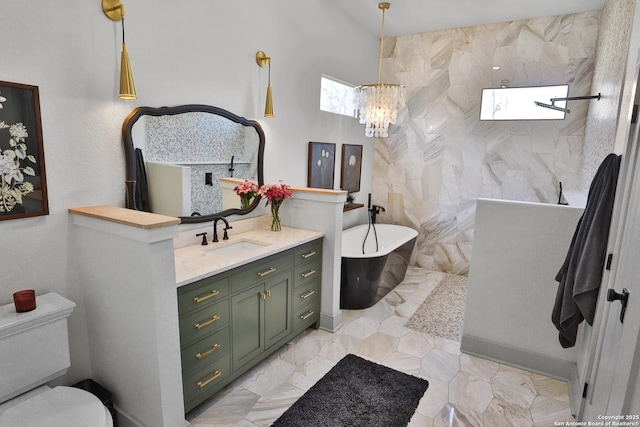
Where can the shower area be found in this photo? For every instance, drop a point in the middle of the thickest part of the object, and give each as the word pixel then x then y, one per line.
pixel 441 158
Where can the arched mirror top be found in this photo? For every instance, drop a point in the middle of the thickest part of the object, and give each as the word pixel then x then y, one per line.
pixel 201 143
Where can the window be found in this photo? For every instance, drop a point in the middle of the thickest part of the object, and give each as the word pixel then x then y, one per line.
pixel 337 97
pixel 519 103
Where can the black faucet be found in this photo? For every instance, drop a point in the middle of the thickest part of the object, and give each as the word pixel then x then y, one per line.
pixel 215 228
pixel 374 211
pixel 204 238
pixel 560 198
pixel 231 168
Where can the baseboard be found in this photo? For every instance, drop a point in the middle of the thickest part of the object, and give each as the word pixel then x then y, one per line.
pixel 126 420
pixel 331 323
pixel 539 363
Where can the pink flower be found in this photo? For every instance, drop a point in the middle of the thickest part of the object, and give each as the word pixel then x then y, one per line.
pixel 247 191
pixel 248 187
pixel 275 193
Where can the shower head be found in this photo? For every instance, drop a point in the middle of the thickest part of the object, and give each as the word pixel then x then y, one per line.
pixel 551 106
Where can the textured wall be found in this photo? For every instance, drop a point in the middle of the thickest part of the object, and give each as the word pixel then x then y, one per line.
pixel 206 143
pixel 613 44
pixel 440 157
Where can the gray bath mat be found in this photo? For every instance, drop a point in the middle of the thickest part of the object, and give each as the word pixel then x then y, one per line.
pixel 442 313
pixel 357 393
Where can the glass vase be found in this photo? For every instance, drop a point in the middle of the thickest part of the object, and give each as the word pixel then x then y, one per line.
pixel 276 225
pixel 245 201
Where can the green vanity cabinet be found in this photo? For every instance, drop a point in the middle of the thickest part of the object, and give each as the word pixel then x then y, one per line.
pixel 205 338
pixel 261 317
pixel 231 321
pixel 306 286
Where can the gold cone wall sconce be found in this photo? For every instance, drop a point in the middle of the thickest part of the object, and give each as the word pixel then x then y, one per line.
pixel 378 103
pixel 262 59
pixel 114 10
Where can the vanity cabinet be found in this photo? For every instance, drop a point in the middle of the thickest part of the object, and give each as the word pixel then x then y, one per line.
pixel 231 321
pixel 261 317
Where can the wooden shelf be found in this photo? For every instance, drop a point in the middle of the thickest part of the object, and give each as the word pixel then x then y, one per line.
pixel 352 206
pixel 130 217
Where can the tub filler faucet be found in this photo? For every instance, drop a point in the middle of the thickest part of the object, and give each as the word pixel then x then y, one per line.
pixel 375 211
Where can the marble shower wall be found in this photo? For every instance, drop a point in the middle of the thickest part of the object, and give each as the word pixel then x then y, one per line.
pixel 440 158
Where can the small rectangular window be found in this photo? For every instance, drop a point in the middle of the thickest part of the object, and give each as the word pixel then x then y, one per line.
pixel 337 97
pixel 519 103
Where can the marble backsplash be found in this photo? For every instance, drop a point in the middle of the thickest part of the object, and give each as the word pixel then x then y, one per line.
pixel 440 158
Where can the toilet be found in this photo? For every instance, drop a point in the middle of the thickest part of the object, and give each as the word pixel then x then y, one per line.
pixel 34 349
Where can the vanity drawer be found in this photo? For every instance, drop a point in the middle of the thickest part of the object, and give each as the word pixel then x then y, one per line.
pixel 202 294
pixel 308 252
pixel 306 316
pixel 307 294
pixel 306 273
pixel 201 323
pixel 200 385
pixel 203 352
pixel 261 270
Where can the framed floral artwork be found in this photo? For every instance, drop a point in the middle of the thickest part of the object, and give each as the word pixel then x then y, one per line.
pixel 23 188
pixel 351 168
pixel 321 167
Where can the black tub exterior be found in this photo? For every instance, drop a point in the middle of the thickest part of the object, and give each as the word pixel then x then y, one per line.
pixel 365 281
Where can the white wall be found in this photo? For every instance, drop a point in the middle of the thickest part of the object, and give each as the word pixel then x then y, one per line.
pixel 199 51
pixel 519 248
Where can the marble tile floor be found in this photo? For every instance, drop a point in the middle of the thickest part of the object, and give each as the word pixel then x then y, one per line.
pixel 463 390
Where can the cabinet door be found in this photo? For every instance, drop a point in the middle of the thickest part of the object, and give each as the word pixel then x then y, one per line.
pixel 277 308
pixel 246 319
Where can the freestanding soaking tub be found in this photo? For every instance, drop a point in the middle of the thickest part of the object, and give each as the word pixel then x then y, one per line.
pixel 367 277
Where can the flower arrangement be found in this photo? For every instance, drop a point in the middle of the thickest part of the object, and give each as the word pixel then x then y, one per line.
pixel 275 195
pixel 247 191
pixel 12 170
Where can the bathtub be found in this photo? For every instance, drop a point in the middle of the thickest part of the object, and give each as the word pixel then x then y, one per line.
pixel 367 278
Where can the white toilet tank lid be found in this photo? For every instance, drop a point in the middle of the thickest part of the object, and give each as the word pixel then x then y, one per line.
pixel 49 307
pixel 59 406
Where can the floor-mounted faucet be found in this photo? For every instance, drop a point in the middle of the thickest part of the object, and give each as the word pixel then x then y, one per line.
pixel 375 210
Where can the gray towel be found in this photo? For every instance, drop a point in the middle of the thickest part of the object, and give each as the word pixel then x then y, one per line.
pixel 580 276
pixel 141 194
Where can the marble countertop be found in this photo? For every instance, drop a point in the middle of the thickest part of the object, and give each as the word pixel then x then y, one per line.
pixel 196 262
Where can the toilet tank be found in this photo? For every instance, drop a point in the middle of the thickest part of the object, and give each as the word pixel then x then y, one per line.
pixel 34 346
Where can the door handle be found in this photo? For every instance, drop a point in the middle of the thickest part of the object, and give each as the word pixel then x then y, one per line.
pixel 612 295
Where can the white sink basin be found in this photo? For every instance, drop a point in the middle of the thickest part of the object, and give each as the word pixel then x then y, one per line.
pixel 232 249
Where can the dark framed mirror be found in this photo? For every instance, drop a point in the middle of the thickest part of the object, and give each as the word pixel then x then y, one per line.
pixel 179 154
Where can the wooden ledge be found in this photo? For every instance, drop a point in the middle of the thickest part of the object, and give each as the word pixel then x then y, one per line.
pixel 130 217
pixel 292 188
pixel 352 206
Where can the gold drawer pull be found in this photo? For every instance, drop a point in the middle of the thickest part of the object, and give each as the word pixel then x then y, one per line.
pixel 308 273
pixel 309 255
pixel 307 315
pixel 201 384
pixel 267 272
pixel 308 294
pixel 213 349
pixel 206 297
pixel 207 323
